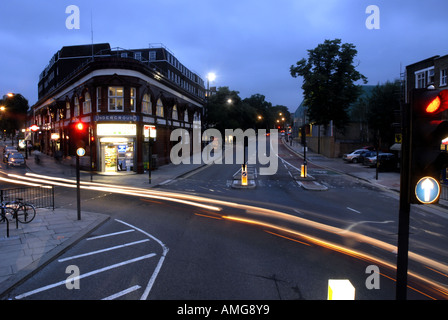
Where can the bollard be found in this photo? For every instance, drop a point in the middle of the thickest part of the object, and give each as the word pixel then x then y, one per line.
pixel 340 290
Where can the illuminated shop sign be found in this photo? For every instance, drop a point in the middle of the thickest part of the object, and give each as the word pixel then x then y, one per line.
pixel 116 129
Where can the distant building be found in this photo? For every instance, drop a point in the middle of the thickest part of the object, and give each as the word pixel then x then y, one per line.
pixel 431 71
pixel 117 93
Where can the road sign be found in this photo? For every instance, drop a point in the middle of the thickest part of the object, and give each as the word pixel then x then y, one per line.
pixel 427 190
pixel 80 152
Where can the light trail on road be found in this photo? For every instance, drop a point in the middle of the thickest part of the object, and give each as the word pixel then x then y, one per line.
pixel 263 218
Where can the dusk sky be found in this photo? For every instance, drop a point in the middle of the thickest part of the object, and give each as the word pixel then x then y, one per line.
pixel 250 45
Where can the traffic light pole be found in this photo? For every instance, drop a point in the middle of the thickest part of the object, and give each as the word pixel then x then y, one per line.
pixel 404 211
pixel 78 188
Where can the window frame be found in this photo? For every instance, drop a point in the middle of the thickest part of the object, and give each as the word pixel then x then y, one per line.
pixel 116 98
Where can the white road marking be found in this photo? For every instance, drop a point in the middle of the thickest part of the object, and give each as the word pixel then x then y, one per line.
pixel 159 264
pixel 353 210
pixel 110 234
pixel 361 222
pixel 85 275
pixel 103 250
pixel 122 293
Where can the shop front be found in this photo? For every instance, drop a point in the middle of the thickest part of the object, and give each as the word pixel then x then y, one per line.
pixel 117 147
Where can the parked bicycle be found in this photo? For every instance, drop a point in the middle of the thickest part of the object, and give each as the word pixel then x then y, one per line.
pixel 6 213
pixel 22 211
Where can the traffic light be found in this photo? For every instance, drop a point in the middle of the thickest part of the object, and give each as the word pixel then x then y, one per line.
pixel 79 134
pixel 428 129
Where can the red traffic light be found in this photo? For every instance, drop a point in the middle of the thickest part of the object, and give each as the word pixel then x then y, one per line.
pixel 79 126
pixel 439 103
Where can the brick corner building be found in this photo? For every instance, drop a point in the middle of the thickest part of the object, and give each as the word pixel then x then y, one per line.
pixel 116 93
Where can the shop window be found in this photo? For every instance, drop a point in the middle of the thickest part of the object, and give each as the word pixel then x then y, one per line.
pixel 115 99
pixel 146 104
pixel 87 104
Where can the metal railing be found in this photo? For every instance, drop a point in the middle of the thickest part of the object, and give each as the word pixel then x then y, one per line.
pixel 40 197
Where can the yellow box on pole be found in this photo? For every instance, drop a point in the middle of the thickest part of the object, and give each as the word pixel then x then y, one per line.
pixel 244 175
pixel 340 290
pixel 303 171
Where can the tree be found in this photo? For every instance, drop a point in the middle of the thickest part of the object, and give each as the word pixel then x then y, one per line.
pixel 13 117
pixel 329 77
pixel 262 109
pixel 226 110
pixel 382 103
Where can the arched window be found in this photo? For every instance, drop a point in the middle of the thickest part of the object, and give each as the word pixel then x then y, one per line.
pixel 87 104
pixel 76 109
pixel 67 110
pixel 186 115
pixel 133 99
pixel 174 115
pixel 197 116
pixel 146 104
pixel 159 108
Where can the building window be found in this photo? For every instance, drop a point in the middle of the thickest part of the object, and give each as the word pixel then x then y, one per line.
pixel 443 77
pixel 98 99
pixel 424 77
pixel 87 104
pixel 152 55
pixel 138 56
pixel 76 109
pixel 174 115
pixel 186 116
pixel 133 99
pixel 159 108
pixel 115 99
pixel 146 104
pixel 197 117
pixel 420 80
pixel 430 76
pixel 67 110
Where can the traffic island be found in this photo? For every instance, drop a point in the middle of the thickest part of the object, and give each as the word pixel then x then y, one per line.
pixel 244 179
pixel 309 182
pixel 236 184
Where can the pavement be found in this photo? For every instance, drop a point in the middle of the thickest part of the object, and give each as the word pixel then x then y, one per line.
pixel 32 246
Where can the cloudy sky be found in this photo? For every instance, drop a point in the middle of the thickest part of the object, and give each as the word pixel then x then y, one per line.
pixel 249 44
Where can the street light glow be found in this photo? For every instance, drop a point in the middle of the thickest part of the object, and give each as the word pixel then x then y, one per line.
pixel 211 76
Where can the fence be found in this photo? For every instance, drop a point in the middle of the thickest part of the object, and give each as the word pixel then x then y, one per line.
pixel 40 197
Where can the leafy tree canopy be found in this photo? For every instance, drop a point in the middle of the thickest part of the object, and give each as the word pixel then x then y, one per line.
pixel 329 77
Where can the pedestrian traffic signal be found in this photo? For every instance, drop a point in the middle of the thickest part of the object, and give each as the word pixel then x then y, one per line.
pixel 428 129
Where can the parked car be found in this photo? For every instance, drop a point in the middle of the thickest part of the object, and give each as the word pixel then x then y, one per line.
pixel 6 155
pixel 16 159
pixel 353 156
pixel 9 149
pixel 387 161
pixel 366 154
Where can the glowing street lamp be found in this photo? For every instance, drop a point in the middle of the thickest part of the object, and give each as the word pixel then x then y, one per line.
pixel 211 76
